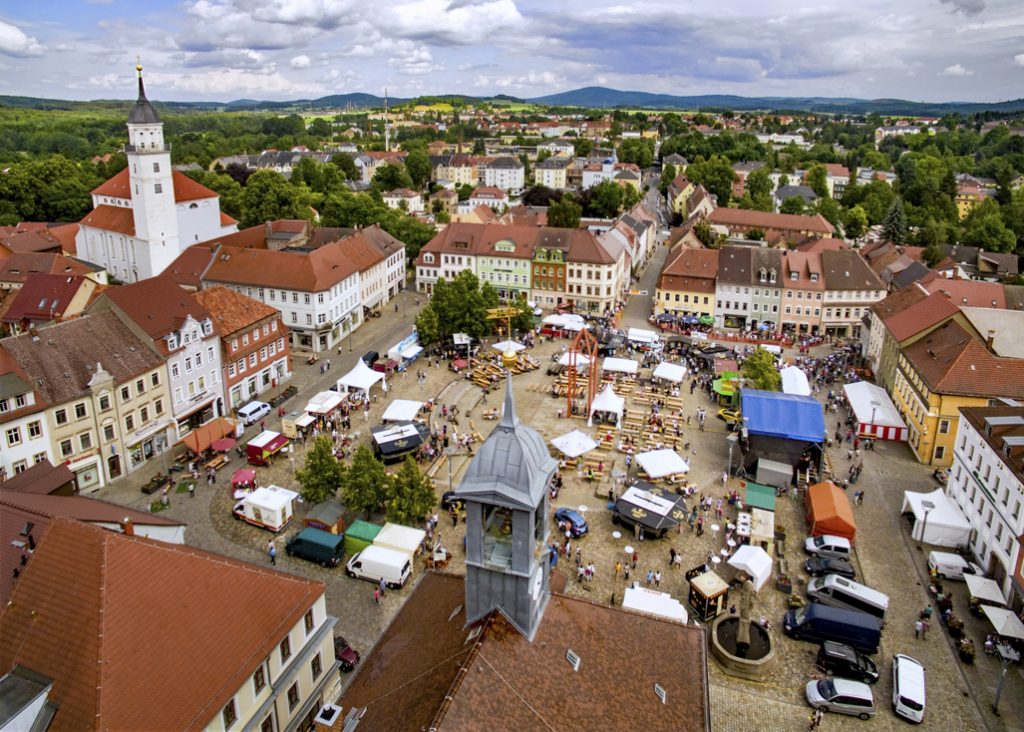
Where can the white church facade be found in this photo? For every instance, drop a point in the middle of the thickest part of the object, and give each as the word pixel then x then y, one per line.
pixel 148 214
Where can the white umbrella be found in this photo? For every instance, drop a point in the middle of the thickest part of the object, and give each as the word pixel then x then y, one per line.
pixel 984 589
pixel 582 360
pixel 504 346
pixel 1005 622
pixel 754 561
pixel 573 444
pixel 659 463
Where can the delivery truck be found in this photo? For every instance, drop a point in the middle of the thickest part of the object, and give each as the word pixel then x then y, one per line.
pixel 270 508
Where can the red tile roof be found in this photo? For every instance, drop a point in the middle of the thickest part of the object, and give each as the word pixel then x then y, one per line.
pixel 141 635
pixel 693 270
pixel 971 293
pixel 188 268
pixel 232 311
pixel 924 313
pixel 764 220
pixel 951 361
pixel 185 189
pixel 18 266
pixel 44 297
pixel 157 305
pixel 111 218
pixel 313 271
pixel 32 240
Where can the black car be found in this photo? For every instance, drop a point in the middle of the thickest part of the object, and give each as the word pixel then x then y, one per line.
pixel 839 659
pixel 817 566
pixel 346 654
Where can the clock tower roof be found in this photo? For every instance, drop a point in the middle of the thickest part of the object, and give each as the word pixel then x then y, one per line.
pixel 143 113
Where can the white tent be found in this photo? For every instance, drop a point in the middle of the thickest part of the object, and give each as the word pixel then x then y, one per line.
pixel 402 410
pixel 360 378
pixel 1004 621
pixel 324 403
pixel 608 401
pixel 794 381
pixel 573 444
pixel 400 538
pixel 984 589
pixel 622 365
pixel 669 371
pixel 659 463
pixel 639 335
pixel 582 360
pixel 876 414
pixel 946 524
pixel 652 602
pixel 503 346
pixel 754 561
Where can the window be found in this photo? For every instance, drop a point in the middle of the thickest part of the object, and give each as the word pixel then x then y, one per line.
pixel 309 621
pixel 4 405
pixel 231 370
pixel 259 680
pixel 156 167
pixel 20 467
pixel 104 403
pixel 129 422
pixel 61 416
pixel 794 276
pixel 252 360
pixel 140 386
pixel 85 440
pixel 286 650
pixel 315 666
pixel 14 436
pixel 158 406
pixel 943 426
pixel 229 714
pixel 35 429
pixel 80 412
pixel 108 432
pixel 199 360
pixel 19 401
pixel 38 457
pixel 306 298
pixel 188 364
pixel 245 339
pixel 293 696
pixel 66 449
pixel 158 188
pixel 268 724
pixel 144 415
pixel 175 372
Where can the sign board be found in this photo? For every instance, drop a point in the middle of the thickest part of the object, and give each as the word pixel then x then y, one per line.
pixel 494 313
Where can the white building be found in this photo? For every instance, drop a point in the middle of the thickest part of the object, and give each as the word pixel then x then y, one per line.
pixel 562 148
pixel 25 436
pixel 987 482
pixel 506 173
pixel 147 214
pixel 404 199
pixel 493 198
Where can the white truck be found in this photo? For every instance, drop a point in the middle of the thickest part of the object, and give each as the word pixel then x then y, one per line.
pixel 270 508
pixel 376 563
pixel 946 565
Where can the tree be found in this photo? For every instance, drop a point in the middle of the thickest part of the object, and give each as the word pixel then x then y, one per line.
pixel 539 196
pixel 364 483
pixel 391 176
pixel 410 495
pixel 604 200
pixel 417 163
pixel 830 209
pixel 983 227
pixel 817 179
pixel 427 325
pixel 894 226
pixel 792 205
pixel 668 174
pixel 759 187
pixel 565 214
pixel 755 235
pixel 639 151
pixel 702 230
pixel 322 473
pixel 268 196
pixel 715 174
pixel 583 147
pixel 855 222
pixel 760 370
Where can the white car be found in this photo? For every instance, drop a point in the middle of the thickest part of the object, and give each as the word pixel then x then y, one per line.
pixel 253 412
pixel 842 696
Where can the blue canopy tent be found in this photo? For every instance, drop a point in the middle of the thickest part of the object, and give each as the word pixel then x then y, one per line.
pixel 786 428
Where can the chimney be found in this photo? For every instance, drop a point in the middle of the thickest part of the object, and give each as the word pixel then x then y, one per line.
pixel 990 341
pixel 267 230
pixel 127 526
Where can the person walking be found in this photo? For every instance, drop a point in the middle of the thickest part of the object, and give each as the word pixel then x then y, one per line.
pixel 636 558
pixel 376 595
pixel 192 489
pixel 272 552
pixel 383 587
pixel 918 627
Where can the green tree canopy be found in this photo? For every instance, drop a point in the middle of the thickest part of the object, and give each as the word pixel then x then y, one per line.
pixel 760 371
pixel 817 179
pixel 983 227
pixel 391 176
pixel 322 473
pixel 792 205
pixel 268 196
pixel 759 186
pixel 410 495
pixel 564 214
pixel 668 174
pixel 364 483
pixel 894 226
pixel 855 222
pixel 417 163
pixel 715 174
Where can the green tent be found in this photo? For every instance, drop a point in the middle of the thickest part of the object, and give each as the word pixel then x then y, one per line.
pixel 760 496
pixel 360 535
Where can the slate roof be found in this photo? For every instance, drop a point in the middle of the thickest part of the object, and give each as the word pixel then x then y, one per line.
pixel 734 265
pixel 951 361
pixel 845 269
pixel 62 360
pixel 142 112
pixel 206 623
pixel 43 297
pixel 429 671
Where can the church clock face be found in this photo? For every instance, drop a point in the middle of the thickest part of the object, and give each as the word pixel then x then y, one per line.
pixel 538 582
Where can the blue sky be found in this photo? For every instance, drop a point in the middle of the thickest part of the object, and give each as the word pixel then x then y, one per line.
pixel 927 50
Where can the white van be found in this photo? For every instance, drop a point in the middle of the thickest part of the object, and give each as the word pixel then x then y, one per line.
pixel 907 688
pixel 376 563
pixel 828 545
pixel 946 565
pixel 253 412
pixel 840 592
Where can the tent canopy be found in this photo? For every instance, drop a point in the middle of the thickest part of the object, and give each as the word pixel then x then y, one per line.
pixel 508 345
pixel 794 381
pixel 789 416
pixel 946 524
pixel 361 377
pixel 984 589
pixel 760 496
pixel 874 409
pixel 324 402
pixel 402 410
pixel 653 602
pixel 670 371
pixel 573 444
pixel 659 463
pixel 754 561
pixel 199 439
pixel 582 360
pixel 829 512
pixel 404 539
pixel 608 401
pixel 622 365
pixel 639 335
pixel 1005 622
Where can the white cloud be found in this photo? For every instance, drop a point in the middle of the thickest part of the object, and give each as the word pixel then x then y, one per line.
pixel 14 41
pixel 1019 59
pixel 414 59
pixel 530 80
pixel 446 23
pixel 967 7
pixel 300 62
pixel 956 70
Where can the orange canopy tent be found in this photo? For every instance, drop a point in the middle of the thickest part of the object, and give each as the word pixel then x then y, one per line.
pixel 199 439
pixel 829 512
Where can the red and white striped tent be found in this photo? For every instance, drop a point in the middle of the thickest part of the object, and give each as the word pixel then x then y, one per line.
pixel 876 415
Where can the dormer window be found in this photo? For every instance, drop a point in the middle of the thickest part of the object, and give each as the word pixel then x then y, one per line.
pixel 771 276
pixel 172 342
pixel 428 258
pixel 794 276
pixel 207 327
pixel 814 276
pixel 764 275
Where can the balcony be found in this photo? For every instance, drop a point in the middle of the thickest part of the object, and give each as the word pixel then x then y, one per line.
pixel 166 148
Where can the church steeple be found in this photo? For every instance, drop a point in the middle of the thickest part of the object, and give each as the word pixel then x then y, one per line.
pixel 143 113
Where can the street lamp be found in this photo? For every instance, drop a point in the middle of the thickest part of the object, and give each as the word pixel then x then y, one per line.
pixel 874 407
pixel 732 440
pixel 1006 655
pixel 350 332
pixel 928 507
pixel 449 451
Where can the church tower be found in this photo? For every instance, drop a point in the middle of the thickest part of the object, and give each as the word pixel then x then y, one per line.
pixel 505 491
pixel 152 188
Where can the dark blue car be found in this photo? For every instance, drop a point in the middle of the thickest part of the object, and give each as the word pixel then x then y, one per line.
pixel 577 524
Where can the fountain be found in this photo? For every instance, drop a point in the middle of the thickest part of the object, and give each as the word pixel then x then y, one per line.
pixel 741 647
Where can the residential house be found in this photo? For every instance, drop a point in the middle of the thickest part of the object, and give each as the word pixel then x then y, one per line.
pixel 464 170
pixel 874 330
pixel 549 270
pixel 686 285
pixel 969 194
pixel 44 298
pixel 404 199
pixel 790 228
pixel 980 264
pixel 804 193
pixel 552 172
pixel 732 288
pixel 105 392
pixel 238 647
pixel 700 203
pixel 504 172
pixel 969 293
pixel 837 178
pixel 494 198
pixel 851 288
pixel 255 348
pixel 676 160
pixel 17 267
pixel 987 482
pixel 803 288
pixel 446 199
pixel 766 281
pixel 677 195
pixel 557 148
pixel 26 434
pixel 627 176
pixel 369 162
pixel 182 333
pixel 740 172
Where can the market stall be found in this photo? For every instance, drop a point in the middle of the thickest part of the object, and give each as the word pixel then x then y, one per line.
pixel 652 509
pixel 1005 622
pixel 200 439
pixel 669 372
pixel 620 365
pixel 946 525
pixel 360 379
pixel 582 360
pixel 652 602
pixel 393 442
pixel 984 590
pixel 762 530
pixel 405 351
pixel 641 336
pixel 876 415
pixel 402 410
pixel 508 345
pixel 708 593
pixel 829 512
pixel 794 381
pixel 328 516
pixel 759 496
pixel 262 448
pixel 323 403
pixel 608 405
pixel 243 482
pixel 295 424
pixel 402 539
pixel 573 444
pixel 662 463
pixel 360 535
pixel 755 561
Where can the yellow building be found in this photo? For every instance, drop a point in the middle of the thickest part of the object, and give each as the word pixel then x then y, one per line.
pixel 679 191
pixel 968 195
pixel 686 285
pixel 938 375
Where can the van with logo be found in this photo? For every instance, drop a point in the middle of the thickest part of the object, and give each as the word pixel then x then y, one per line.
pixel 908 688
pixel 841 592
pixel 946 565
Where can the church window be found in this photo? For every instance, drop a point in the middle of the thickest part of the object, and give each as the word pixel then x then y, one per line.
pixel 158 188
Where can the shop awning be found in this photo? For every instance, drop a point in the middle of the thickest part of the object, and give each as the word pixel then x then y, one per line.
pixel 199 439
pixel 402 410
pixel 1005 622
pixel 640 335
pixel 412 352
pixel 324 403
pixel 984 589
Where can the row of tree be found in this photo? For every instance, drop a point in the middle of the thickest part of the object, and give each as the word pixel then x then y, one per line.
pixel 460 306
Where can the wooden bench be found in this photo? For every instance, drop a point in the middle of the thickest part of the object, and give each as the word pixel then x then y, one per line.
pixel 216 463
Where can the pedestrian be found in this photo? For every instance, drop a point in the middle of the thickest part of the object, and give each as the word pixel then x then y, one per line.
pixel 376 596
pixel 725 478
pixel 383 586
pixel 192 490
pixel 625 572
pixel 918 627
pixel 166 499
pixel 657 578
pixel 272 552
pixel 580 572
pixel 618 568
pixel 925 627
pixel 700 525
pixel 636 558
pixel 650 577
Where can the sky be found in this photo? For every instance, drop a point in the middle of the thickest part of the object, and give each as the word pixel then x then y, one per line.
pixel 220 50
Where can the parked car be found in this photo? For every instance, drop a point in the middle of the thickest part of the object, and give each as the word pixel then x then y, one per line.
pixel 817 566
pixel 839 659
pixel 346 654
pixel 253 412
pixel 827 545
pixel 731 416
pixel 577 524
pixel 843 696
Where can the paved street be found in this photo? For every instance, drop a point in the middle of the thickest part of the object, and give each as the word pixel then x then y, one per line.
pixel 959 697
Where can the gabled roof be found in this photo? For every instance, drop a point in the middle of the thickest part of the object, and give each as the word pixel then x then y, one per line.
pixel 86 637
pixel 32 240
pixel 157 305
pixel 43 478
pixel 14 380
pixel 18 266
pixel 43 297
pixel 973 293
pixel 313 271
pixel 764 220
pixel 690 270
pixel 232 311
pixel 480 239
pixel 951 361
pixel 845 269
pixel 898 302
pixel 920 314
pixel 734 265
pixel 186 271
pixel 185 189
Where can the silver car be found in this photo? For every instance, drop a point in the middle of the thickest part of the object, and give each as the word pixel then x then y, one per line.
pixel 842 696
